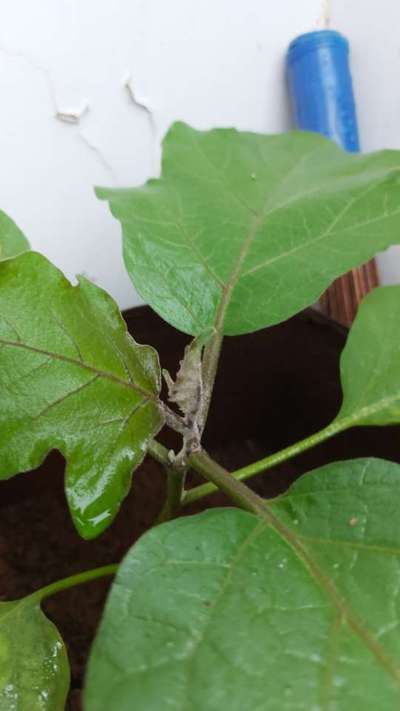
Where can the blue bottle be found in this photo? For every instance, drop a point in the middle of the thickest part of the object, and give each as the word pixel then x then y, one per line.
pixel 321 87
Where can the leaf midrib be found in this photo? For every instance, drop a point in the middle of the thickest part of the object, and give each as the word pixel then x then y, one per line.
pixel 72 361
pixel 358 545
pixel 294 541
pixel 329 231
pixel 225 583
pixel 357 416
pixel 260 217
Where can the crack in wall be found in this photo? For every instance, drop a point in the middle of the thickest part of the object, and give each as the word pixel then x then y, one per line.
pixel 37 66
pixel 100 156
pixel 65 115
pixel 141 103
pixel 74 116
pixel 144 105
pixel 69 116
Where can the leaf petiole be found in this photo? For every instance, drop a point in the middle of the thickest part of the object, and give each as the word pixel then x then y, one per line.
pixel 221 478
pixel 224 481
pixel 272 460
pixel 159 453
pixel 175 493
pixel 79 579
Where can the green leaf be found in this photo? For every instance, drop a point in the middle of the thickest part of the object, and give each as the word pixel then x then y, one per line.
pixel 296 612
pixel 72 378
pixel 370 362
pixel 34 669
pixel 12 241
pixel 243 230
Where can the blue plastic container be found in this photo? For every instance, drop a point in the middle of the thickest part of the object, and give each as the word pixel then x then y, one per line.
pixel 321 86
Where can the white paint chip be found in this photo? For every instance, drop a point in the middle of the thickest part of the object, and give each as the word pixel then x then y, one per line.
pixel 72 116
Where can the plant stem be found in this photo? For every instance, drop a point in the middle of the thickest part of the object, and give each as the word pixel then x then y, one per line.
pixel 223 480
pixel 174 421
pixel 199 492
pixel 202 463
pixel 159 453
pixel 210 366
pixel 85 577
pixel 175 481
pixel 175 490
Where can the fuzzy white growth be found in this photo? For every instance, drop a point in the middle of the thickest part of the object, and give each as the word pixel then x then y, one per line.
pixel 187 389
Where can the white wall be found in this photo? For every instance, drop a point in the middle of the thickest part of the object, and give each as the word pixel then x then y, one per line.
pixel 373 28
pixel 209 62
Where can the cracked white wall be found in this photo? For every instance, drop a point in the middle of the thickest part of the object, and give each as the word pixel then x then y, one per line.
pixel 89 88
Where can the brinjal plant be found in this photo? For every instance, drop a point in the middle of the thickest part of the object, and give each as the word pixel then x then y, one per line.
pixel 288 604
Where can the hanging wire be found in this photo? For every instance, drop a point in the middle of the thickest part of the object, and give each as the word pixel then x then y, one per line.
pixel 325 16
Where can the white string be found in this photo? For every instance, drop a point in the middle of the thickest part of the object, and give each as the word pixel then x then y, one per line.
pixel 325 17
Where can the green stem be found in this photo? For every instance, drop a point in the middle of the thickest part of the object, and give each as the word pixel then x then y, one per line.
pixel 221 479
pixel 212 352
pixel 175 490
pixel 199 492
pixel 175 481
pixel 85 577
pixel 224 481
pixel 159 453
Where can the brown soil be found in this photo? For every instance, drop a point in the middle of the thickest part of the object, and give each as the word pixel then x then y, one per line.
pixel 290 390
